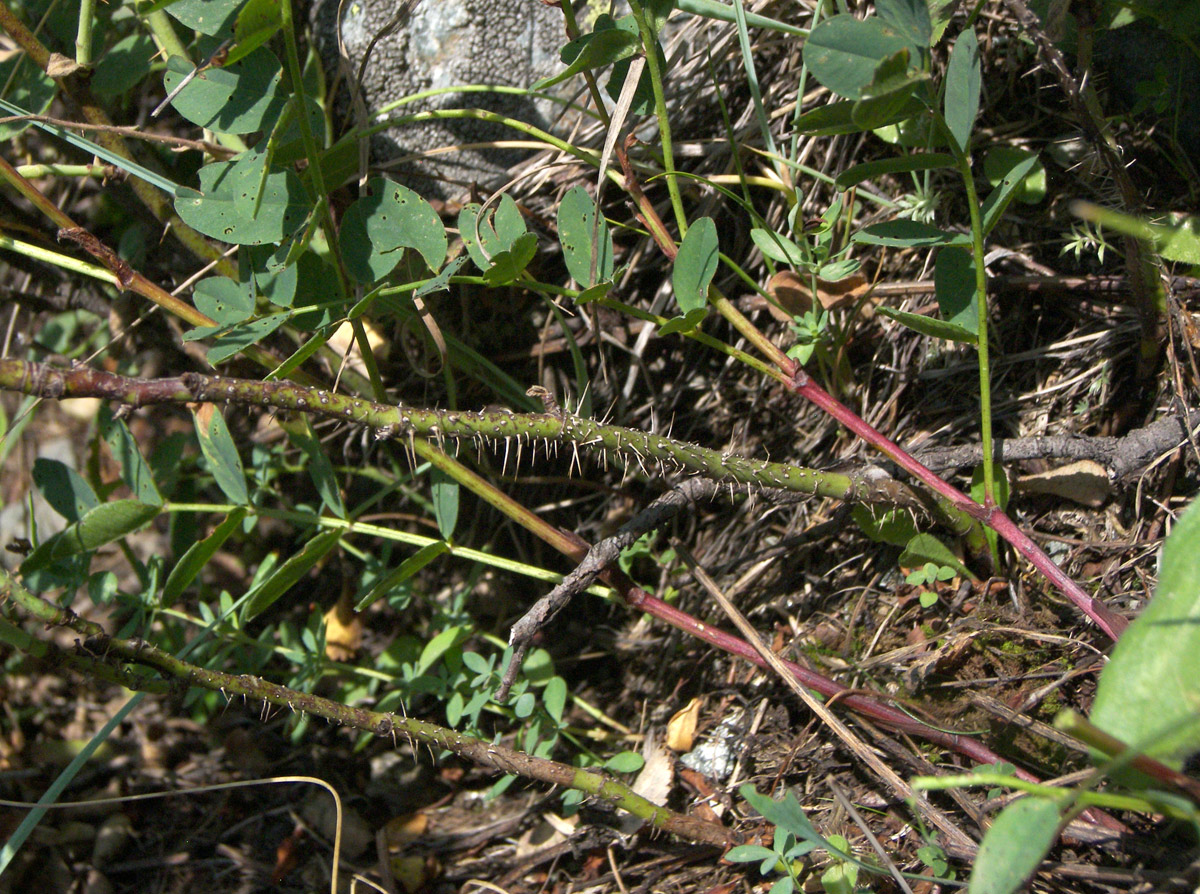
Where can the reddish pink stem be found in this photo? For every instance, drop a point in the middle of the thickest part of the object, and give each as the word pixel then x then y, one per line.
pixel 1109 621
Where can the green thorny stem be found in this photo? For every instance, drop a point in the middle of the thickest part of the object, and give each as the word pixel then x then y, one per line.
pixel 100 652
pixel 622 443
pixel 397 422
pixel 496 427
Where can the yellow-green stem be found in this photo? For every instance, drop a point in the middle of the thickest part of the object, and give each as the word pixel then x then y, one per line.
pixel 650 44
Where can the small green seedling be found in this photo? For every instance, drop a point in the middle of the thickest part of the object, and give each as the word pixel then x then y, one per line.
pixel 926 576
pixel 794 838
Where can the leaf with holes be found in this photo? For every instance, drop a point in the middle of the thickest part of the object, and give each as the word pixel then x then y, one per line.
pixel 378 226
pixel 218 448
pixel 282 210
pixel 954 285
pixel 225 301
pixel 586 241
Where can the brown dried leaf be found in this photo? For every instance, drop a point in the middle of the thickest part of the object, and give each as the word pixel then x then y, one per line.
pixel 1084 482
pixel 791 290
pixel 681 728
pixel 343 630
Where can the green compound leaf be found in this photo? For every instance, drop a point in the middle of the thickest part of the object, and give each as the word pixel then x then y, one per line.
pixel 64 489
pixel 836 271
pixel 954 285
pixel 237 99
pixel 378 226
pixel 407 569
pixel 778 247
pixel 910 18
pixel 907 234
pixel 124 65
pixel 218 448
pixel 695 265
pixel 1031 189
pixel 135 471
pixel 99 525
pixel 587 244
pixel 287 575
pixel 212 17
pixel 441 282
pixel 599 48
pixel 26 86
pixel 930 326
pixel 685 323
pixel 479 236
pixel 243 335
pixel 1016 843
pixel 925 161
pixel 1175 241
pixel 256 24
pixel 508 222
pixel 554 698
pixel 894 526
pixel 436 648
pixel 964 79
pixel 786 814
pixel 197 557
pixel 1149 690
pixel 215 212
pixel 625 762
pixel 445 491
pixel 843 52
pixel 509 264
pixel 829 120
pixel 927 548
pixel 998 199
pixel 890 92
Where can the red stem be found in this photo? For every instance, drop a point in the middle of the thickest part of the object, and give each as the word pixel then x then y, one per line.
pixel 1109 621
